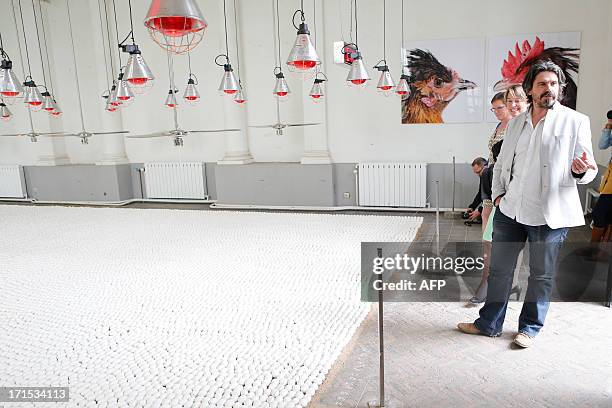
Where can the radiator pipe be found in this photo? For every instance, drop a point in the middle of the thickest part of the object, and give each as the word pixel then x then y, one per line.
pixel 106 203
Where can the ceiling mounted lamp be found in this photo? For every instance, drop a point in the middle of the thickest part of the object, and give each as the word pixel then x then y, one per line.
pixel 112 97
pixel 56 112
pixel 137 72
pixel 124 92
pixel 171 101
pixel 191 94
pixel 316 92
pixel 177 26
pixel 109 107
pixel 5 113
pixel 47 102
pixel 358 74
pixel 403 87
pixel 385 82
pixel 303 57
pixel 229 84
pixel 10 87
pixel 33 98
pixel 240 97
pixel 281 89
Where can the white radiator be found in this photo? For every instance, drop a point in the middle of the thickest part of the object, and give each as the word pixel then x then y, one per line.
pixel 392 184
pixel 175 180
pixel 10 182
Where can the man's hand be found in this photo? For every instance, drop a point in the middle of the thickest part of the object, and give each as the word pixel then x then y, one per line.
pixel 581 164
pixel 497 200
pixel 474 214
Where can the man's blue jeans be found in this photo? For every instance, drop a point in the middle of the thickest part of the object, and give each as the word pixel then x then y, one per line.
pixel 509 238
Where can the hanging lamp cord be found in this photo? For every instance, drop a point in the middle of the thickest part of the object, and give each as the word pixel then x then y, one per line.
pixel 117 33
pixel 76 71
pixel 385 31
pixel 237 48
pixel 44 31
pixel 25 41
pixel 42 64
pixel 278 62
pixel 108 80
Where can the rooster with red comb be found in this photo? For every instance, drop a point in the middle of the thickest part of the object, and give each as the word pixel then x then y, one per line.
pixel 516 66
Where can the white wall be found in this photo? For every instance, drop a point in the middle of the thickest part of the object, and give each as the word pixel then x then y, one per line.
pixel 361 126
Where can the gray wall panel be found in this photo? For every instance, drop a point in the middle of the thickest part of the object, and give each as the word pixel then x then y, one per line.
pixel 73 183
pixel 275 184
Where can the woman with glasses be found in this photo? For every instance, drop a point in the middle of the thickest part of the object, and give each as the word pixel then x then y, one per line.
pixel 506 106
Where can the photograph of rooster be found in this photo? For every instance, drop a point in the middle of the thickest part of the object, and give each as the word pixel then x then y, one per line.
pixel 433 86
pixel 513 56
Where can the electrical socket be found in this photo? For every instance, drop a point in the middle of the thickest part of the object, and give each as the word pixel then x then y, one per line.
pixel 347 195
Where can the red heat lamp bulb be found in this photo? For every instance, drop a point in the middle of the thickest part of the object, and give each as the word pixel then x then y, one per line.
pixel 175 26
pixel 304 64
pixel 138 81
pixel 9 94
pixel 358 81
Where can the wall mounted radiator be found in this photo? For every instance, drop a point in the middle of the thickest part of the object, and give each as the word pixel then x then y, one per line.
pixel 11 185
pixel 175 180
pixel 392 184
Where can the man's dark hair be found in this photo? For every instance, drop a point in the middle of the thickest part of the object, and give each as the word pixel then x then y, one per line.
pixel 610 114
pixel 543 66
pixel 480 161
pixel 498 97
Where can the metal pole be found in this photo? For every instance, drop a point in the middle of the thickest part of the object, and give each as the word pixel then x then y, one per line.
pixel 454 178
pixel 381 349
pixel 437 217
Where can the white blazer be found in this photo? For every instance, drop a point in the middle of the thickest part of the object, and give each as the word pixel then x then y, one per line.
pixel 566 134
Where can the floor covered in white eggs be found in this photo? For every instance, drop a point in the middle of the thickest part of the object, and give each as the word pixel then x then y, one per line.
pixel 169 308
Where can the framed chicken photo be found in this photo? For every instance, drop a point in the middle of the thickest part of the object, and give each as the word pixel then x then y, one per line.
pixel 446 78
pixel 510 57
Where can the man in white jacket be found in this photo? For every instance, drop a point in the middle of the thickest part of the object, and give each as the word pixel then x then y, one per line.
pixel 547 151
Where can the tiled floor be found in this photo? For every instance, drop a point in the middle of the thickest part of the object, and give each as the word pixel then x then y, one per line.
pixel 430 364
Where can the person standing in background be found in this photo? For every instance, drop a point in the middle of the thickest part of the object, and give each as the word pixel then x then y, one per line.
pixel 602 212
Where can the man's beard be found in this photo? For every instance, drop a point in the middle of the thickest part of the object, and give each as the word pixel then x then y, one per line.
pixel 546 103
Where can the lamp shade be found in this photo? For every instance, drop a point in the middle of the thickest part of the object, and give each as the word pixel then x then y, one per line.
pixel 303 56
pixel 358 74
pixel 403 88
pixel 229 84
pixel 175 25
pixel 137 72
pixel 191 94
pixel 5 113
pixel 171 100
pixel 281 89
pixel 10 87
